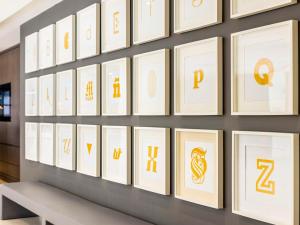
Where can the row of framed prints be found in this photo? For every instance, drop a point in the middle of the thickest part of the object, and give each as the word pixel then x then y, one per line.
pixel 264 80
pixel 265 166
pixel 55 44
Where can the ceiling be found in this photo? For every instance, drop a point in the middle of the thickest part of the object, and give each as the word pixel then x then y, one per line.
pixel 13 13
pixel 9 8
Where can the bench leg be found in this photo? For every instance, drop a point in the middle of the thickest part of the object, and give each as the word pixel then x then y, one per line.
pixel 11 210
pixel 45 222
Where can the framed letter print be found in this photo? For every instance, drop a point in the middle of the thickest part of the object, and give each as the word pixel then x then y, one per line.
pixel 242 8
pixel 265 176
pixel 88 31
pixel 115 25
pixel 199 166
pixel 88 90
pixel 151 74
pixel 31 141
pixel 47 47
pixel 150 20
pixel 116 87
pixel 31 52
pixel 116 154
pixel 88 150
pixel 65 93
pixel 66 146
pixel 195 14
pixel 152 159
pixel 31 96
pixel 65 40
pixel 47 144
pixel 47 95
pixel 198 78
pixel 264 70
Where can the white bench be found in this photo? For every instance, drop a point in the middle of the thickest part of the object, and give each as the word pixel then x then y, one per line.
pixel 54 206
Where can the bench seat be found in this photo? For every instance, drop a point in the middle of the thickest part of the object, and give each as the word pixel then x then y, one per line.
pixel 57 207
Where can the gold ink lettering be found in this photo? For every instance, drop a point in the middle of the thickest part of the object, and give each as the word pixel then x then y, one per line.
pixel 198 78
pixel 152 159
pixel 89 91
pixel 117 153
pixel 66 143
pixel 66 40
pixel 198 165
pixel 197 3
pixel 116 87
pixel 89 148
pixel 264 79
pixel 263 183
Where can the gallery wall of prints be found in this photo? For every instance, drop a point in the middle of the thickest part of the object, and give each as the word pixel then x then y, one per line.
pixel 177 112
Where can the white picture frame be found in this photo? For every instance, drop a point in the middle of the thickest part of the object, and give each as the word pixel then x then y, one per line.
pixel 88 150
pixel 31 52
pixel 248 8
pixel 269 52
pixel 66 93
pixel 32 141
pixel 196 14
pixel 88 31
pixel 47 144
pixel 198 82
pixel 199 166
pixel 150 22
pixel 32 96
pixel 115 25
pixel 152 166
pixel 88 90
pixel 151 83
pixel 47 95
pixel 66 146
pixel 65 40
pixel 116 154
pixel 116 91
pixel 47 47
pixel 271 176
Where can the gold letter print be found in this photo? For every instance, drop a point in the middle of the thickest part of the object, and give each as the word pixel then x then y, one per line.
pixel 116 22
pixel 116 87
pixel 198 165
pixel 89 148
pixel 117 153
pixel 265 78
pixel 152 159
pixel 67 142
pixel 198 78
pixel 66 40
pixel 89 91
pixel 263 183
pixel 197 3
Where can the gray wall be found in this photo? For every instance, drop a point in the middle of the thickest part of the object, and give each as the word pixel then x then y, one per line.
pixel 152 207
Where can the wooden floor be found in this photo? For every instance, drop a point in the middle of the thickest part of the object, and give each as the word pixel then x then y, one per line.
pixel 2 181
pixel 29 221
